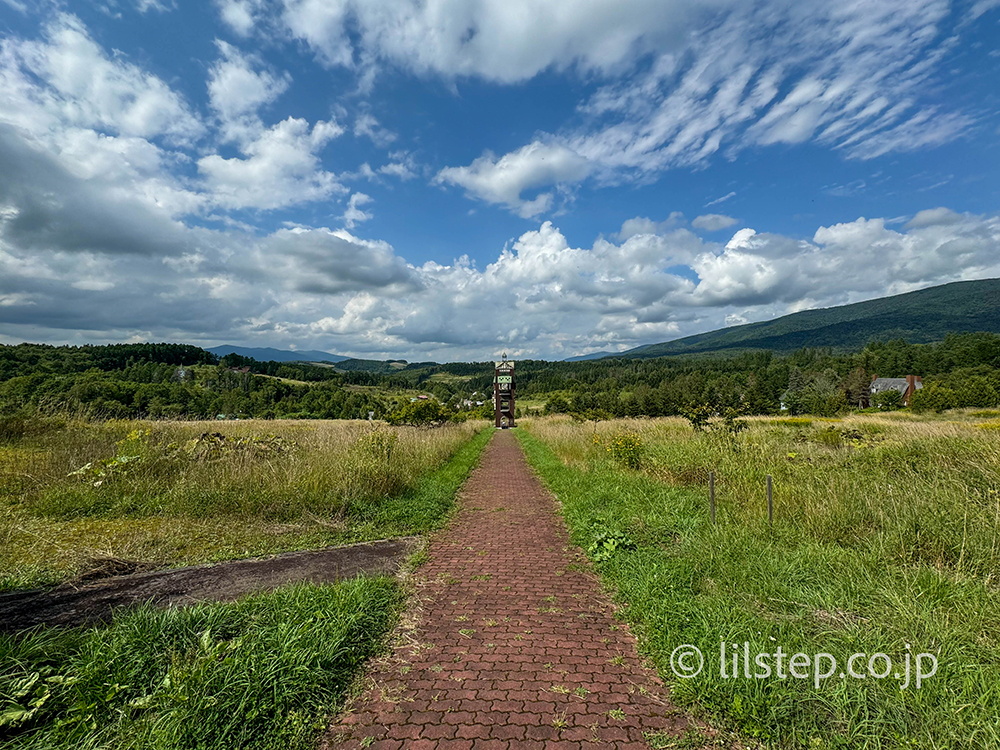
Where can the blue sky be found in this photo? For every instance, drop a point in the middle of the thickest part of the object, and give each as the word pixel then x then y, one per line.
pixel 448 179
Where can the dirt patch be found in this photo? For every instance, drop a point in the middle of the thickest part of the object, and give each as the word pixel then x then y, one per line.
pixel 85 602
pixel 99 568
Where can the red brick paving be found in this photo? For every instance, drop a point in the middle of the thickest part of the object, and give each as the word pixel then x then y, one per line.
pixel 509 642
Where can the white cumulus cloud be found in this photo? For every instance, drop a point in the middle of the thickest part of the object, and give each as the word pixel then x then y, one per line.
pixel 89 264
pixel 281 167
pixel 236 89
pixel 712 222
pixel 504 180
pixel 84 87
pixel 934 217
pixel 240 15
pixel 497 40
pixel 354 213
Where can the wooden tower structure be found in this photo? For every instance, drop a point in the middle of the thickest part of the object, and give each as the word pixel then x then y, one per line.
pixel 503 393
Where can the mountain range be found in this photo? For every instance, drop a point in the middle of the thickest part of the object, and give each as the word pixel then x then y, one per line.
pixel 919 317
pixel 267 354
pixel 922 316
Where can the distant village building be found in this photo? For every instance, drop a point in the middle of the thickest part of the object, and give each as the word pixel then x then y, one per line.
pixel 906 386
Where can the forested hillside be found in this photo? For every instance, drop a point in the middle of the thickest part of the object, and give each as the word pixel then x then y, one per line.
pixel 267 354
pixel 179 381
pixel 961 370
pixel 918 317
pixel 176 380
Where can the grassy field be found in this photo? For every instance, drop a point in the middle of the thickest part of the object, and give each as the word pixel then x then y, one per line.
pixel 886 539
pixel 173 493
pixel 261 673
pixel 265 672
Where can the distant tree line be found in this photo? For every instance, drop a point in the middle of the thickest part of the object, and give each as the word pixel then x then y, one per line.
pixel 961 370
pixel 178 381
pixel 181 381
pixel 307 372
pixel 26 359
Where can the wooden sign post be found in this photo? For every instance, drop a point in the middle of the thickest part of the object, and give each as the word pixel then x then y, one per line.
pixel 503 394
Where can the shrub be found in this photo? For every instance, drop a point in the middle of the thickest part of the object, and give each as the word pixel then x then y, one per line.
pixel 889 400
pixel 130 449
pixel 590 415
pixel 698 416
pixel 626 448
pixel 418 413
pixel 830 436
pixel 556 405
pixel 934 397
pixel 976 391
pixel 731 425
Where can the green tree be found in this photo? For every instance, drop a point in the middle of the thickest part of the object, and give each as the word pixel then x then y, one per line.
pixel 699 416
pixel 793 396
pixel 888 400
pixel 856 386
pixel 420 412
pixel 934 397
pixel 976 391
pixel 556 405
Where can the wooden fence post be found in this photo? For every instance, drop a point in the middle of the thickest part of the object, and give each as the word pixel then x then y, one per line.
pixel 770 502
pixel 711 495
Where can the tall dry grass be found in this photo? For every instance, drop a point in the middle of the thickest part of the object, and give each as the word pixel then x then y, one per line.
pixel 160 492
pixel 906 488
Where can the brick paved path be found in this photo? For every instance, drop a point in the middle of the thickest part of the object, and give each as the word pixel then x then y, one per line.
pixel 509 642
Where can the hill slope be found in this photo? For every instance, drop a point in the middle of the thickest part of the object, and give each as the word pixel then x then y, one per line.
pixel 588 357
pixel 918 317
pixel 266 354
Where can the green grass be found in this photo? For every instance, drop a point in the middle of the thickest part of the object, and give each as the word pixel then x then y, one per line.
pixel 264 672
pixel 878 542
pixel 425 507
pixel 336 486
